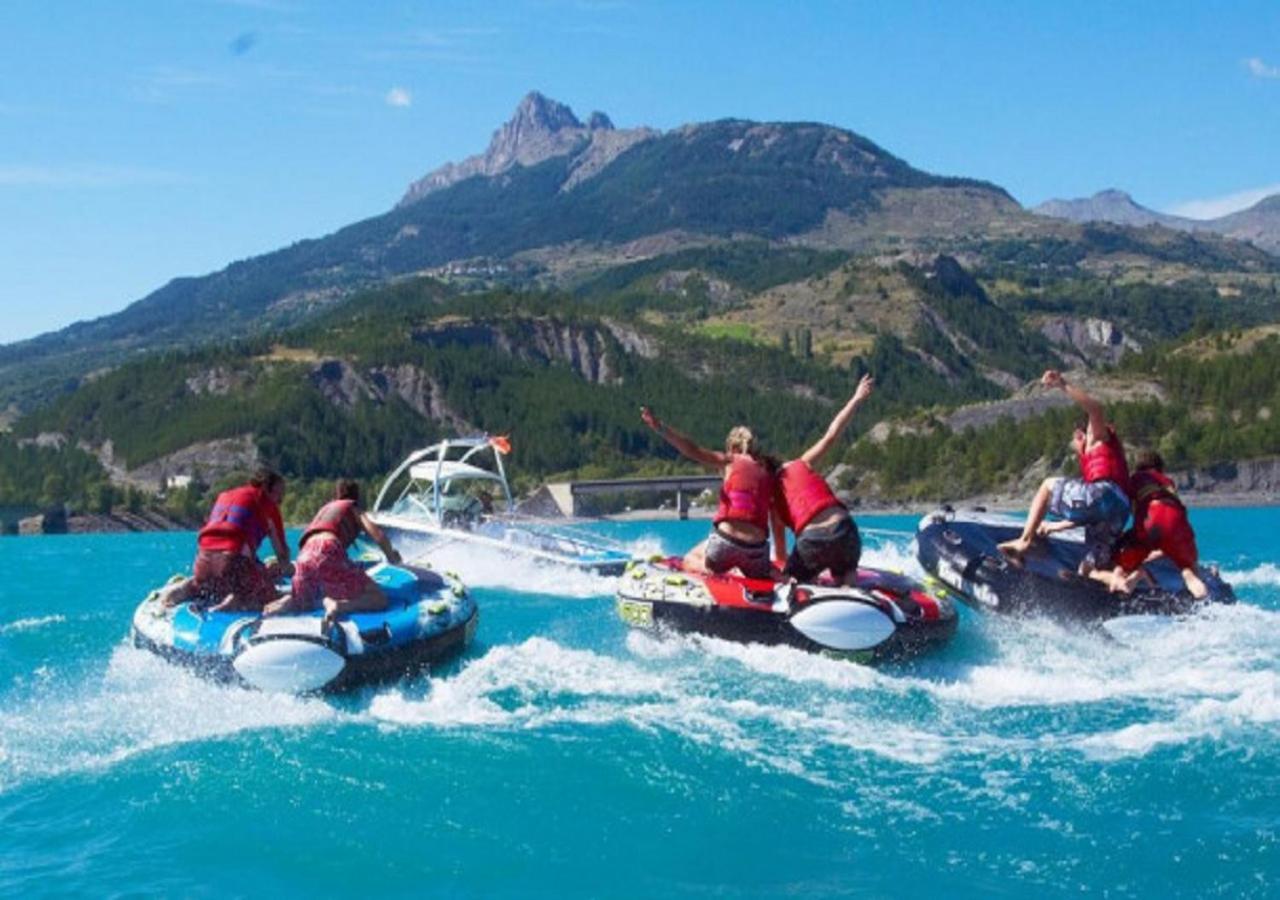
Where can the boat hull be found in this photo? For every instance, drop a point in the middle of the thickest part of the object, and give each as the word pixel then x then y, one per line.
pixel 517 540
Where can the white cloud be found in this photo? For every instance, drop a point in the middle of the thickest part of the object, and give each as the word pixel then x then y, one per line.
pixel 1259 69
pixel 86 176
pixel 1213 207
pixel 399 97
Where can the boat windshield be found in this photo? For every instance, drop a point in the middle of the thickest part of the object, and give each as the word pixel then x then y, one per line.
pixel 452 481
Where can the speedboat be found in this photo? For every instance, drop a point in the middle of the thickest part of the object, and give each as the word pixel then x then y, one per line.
pixel 456 491
pixel 961 549
pixel 428 618
pixel 885 615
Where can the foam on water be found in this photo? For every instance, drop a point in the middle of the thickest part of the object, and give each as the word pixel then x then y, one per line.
pixel 1267 574
pixel 31 624
pixel 487 567
pixel 1209 675
pixel 138 704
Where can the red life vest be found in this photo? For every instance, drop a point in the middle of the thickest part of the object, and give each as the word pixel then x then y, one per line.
pixel 1159 523
pixel 1150 486
pixel 239 520
pixel 801 494
pixel 1105 461
pixel 745 493
pixel 338 518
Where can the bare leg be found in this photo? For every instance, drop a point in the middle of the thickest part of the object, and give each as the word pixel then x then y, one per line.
pixel 1197 587
pixel 370 599
pixel 283 606
pixel 1039 506
pixel 696 559
pixel 1048 528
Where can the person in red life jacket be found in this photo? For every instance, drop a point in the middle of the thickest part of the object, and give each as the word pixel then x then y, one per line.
pixel 827 538
pixel 1098 500
pixel 324 574
pixel 1160 528
pixel 740 530
pixel 226 566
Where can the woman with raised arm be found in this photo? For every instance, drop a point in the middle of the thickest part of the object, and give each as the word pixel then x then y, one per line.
pixel 826 535
pixel 740 530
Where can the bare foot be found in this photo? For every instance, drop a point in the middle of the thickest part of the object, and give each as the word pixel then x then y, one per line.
pixel 330 615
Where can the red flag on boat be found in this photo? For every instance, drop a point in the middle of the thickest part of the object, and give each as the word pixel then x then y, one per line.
pixel 500 443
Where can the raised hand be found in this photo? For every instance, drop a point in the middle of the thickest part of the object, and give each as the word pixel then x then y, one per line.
pixel 647 416
pixel 1052 378
pixel 866 385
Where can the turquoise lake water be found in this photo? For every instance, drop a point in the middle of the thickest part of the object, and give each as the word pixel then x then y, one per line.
pixel 563 755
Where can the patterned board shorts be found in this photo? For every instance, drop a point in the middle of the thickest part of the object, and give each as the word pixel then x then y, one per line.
pixel 217 573
pixel 323 569
pixel 1101 507
pixel 724 553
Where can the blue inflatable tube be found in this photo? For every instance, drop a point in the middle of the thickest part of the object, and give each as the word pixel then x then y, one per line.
pixel 429 617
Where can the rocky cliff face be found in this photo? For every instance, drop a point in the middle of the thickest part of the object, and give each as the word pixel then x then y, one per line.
pixel 345 386
pixel 1088 341
pixel 540 129
pixel 1252 481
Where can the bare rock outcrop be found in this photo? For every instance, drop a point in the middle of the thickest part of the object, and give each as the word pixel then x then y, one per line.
pixel 1253 480
pixel 217 381
pixel 421 392
pixel 1088 341
pixel 540 129
pixel 207 460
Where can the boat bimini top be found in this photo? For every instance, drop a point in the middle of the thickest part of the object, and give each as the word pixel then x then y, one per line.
pixel 435 471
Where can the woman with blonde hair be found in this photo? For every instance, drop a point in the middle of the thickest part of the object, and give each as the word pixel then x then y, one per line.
pixel 740 530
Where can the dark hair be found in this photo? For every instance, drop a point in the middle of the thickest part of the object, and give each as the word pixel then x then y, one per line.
pixel 346 489
pixel 771 463
pixel 1148 459
pixel 266 478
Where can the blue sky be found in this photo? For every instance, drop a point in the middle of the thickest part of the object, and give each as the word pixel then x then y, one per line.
pixel 140 141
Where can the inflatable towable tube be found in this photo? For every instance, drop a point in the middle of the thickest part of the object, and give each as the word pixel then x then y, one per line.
pixel 885 616
pixel 429 616
pixel 960 549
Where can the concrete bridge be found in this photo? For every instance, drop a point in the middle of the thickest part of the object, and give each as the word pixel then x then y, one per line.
pixel 561 497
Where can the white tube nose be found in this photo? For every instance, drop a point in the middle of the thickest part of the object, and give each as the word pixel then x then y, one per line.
pixel 844 624
pixel 289 665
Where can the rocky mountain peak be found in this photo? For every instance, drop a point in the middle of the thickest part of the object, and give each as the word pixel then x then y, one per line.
pixel 539 113
pixel 538 130
pixel 1112 205
pixel 1114 195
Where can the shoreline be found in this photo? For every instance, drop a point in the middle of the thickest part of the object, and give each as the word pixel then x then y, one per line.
pixel 998 503
pixel 124 523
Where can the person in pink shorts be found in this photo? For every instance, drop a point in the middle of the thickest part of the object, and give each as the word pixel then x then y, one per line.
pixel 323 573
